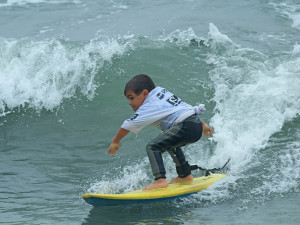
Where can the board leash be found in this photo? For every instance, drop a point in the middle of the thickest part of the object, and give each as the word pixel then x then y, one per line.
pixel 210 171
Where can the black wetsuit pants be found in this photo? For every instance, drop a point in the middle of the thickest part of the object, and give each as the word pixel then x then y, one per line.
pixel 171 140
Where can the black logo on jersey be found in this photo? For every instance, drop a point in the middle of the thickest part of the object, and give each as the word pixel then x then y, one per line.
pixel 134 116
pixel 161 94
pixel 174 100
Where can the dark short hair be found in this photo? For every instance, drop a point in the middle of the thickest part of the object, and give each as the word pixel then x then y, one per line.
pixel 139 83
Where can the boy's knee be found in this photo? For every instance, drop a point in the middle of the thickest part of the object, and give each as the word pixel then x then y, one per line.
pixel 151 146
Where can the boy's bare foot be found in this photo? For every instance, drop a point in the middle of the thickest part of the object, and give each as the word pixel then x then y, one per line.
pixel 189 178
pixel 160 183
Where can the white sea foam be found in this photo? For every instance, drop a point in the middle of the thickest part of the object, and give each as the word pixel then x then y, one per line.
pixel 27 2
pixel 290 10
pixel 296 49
pixel 180 37
pixel 184 37
pixel 41 74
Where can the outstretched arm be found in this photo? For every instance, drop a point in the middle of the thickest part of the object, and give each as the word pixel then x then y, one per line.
pixel 207 131
pixel 114 146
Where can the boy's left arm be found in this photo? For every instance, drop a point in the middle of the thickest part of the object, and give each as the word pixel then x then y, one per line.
pixel 207 131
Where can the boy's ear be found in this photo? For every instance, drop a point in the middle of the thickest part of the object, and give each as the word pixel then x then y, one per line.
pixel 145 92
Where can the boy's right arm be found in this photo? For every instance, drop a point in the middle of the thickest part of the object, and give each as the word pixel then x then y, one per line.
pixel 114 146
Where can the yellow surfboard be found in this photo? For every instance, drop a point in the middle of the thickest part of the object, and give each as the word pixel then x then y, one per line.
pixel 172 191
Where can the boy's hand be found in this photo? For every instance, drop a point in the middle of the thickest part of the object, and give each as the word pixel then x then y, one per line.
pixel 113 148
pixel 207 131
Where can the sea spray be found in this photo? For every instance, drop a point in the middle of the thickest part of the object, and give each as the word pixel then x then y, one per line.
pixel 254 98
pixel 131 178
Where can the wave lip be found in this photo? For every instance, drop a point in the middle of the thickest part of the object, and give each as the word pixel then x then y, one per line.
pixel 41 74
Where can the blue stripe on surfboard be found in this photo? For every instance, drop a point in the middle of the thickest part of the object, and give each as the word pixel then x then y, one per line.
pixel 113 202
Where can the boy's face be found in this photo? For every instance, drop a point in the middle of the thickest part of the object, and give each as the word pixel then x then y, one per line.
pixel 135 101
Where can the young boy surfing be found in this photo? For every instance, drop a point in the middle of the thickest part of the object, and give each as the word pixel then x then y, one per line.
pixel 178 120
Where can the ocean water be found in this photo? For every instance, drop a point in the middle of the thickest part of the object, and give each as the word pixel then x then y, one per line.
pixel 63 67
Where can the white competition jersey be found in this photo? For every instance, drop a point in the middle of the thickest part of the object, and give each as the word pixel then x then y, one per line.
pixel 162 109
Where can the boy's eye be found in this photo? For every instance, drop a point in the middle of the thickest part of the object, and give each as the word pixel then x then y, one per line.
pixel 131 98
